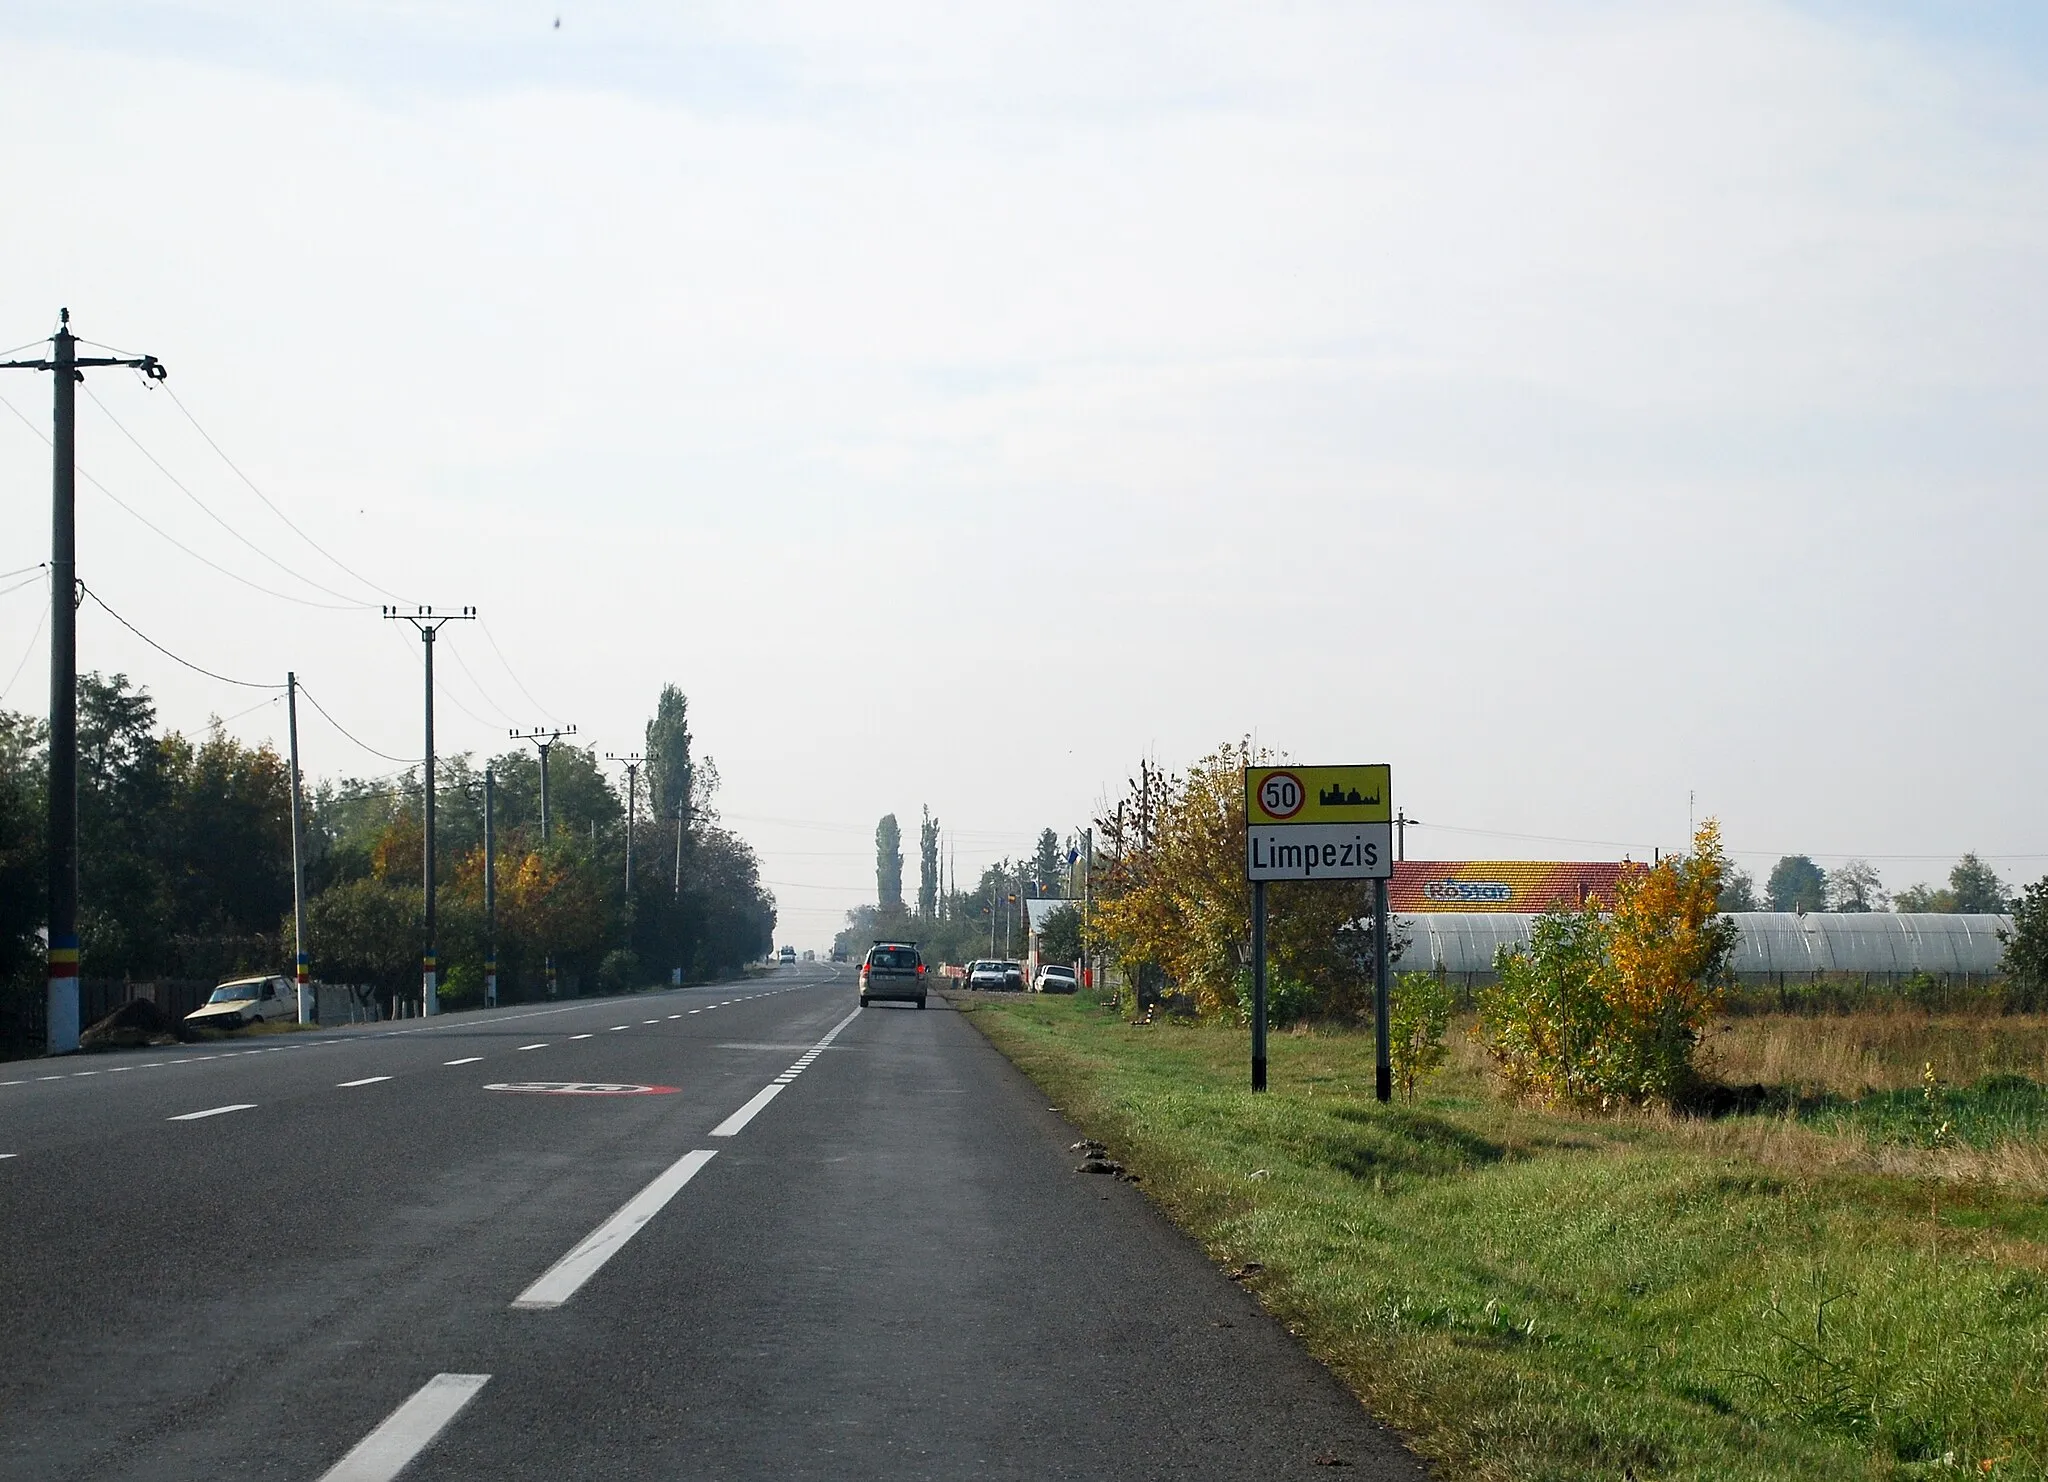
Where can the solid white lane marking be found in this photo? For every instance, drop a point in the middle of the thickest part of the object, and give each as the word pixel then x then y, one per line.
pixel 561 1280
pixel 541 1046
pixel 408 1430
pixel 465 1060
pixel 368 1080
pixel 212 1111
pixel 733 1125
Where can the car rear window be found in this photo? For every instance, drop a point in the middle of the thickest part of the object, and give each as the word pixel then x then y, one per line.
pixel 899 959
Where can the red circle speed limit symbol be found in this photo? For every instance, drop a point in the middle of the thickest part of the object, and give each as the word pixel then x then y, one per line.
pixel 1281 795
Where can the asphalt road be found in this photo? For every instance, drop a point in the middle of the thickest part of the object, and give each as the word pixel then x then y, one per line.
pixel 346 1254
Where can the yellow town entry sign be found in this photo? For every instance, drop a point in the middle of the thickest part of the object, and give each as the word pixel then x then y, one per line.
pixel 1319 823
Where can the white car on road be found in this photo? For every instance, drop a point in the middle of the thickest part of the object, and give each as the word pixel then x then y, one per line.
pixel 242 1001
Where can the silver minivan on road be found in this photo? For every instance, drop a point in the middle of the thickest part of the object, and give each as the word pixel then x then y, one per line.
pixel 892 970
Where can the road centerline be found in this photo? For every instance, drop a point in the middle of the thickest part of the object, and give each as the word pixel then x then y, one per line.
pixel 408 1430
pixel 213 1111
pixel 561 1281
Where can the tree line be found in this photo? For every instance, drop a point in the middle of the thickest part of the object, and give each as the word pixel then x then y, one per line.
pixel 1796 883
pixel 185 864
pixel 950 924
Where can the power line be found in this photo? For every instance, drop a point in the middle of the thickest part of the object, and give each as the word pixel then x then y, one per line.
pixel 403 761
pixel 247 684
pixel 33 639
pixel 204 509
pixel 25 582
pixel 460 663
pixel 250 711
pixel 172 539
pixel 22 570
pixel 271 504
pixel 520 684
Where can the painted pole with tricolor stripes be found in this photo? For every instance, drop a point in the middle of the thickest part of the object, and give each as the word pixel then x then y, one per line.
pixel 66 367
pixel 309 1008
pixel 490 889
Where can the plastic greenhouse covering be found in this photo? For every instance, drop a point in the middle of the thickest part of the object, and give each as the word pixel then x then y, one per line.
pixel 1772 944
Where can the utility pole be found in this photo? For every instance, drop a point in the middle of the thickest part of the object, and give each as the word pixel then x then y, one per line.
pixel 429 625
pixel 490 889
pixel 309 1010
pixel 1087 859
pixel 680 814
pixel 544 739
pixel 1401 825
pixel 68 369
pixel 633 762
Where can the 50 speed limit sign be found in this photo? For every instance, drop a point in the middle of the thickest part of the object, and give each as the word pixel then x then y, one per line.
pixel 1281 795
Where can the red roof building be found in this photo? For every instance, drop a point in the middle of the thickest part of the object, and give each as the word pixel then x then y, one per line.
pixel 1501 885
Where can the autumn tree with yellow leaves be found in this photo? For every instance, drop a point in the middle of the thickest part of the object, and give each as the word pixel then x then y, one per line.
pixel 1606 1006
pixel 1172 898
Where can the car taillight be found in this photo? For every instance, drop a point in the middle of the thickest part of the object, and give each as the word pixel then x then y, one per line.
pixel 920 967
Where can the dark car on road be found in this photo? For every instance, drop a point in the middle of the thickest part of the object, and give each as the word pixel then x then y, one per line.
pixel 892 970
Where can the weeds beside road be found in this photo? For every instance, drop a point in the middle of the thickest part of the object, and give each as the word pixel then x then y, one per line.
pixel 1541 1296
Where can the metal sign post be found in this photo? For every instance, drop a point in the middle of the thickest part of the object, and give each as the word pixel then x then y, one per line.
pixel 1258 985
pixel 1320 823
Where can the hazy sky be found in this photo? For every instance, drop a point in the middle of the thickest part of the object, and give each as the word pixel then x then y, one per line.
pixel 1574 406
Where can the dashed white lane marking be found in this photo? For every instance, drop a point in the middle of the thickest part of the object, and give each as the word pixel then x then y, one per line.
pixel 561 1280
pixel 84 1072
pixel 650 1021
pixel 672 1016
pixel 579 1036
pixel 49 1077
pixel 734 1124
pixel 213 1111
pixel 465 1060
pixel 696 1011
pixel 408 1430
pixel 541 1046
pixel 368 1080
pixel 4 1156
pixel 617 1027
pixel 13 1083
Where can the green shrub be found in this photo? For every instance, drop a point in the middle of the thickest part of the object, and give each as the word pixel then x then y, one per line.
pixel 1418 1017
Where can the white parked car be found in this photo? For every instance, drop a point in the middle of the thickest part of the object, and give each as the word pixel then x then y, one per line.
pixel 242 1001
pixel 1055 977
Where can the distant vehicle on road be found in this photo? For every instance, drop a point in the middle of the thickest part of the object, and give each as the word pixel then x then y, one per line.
pixel 986 976
pixel 839 954
pixel 242 1001
pixel 1055 978
pixel 809 955
pixel 892 970
pixel 789 954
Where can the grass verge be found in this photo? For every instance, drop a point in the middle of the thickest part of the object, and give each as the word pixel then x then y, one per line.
pixel 1538 1296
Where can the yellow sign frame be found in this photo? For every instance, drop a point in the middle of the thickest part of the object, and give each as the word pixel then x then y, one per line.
pixel 1357 794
